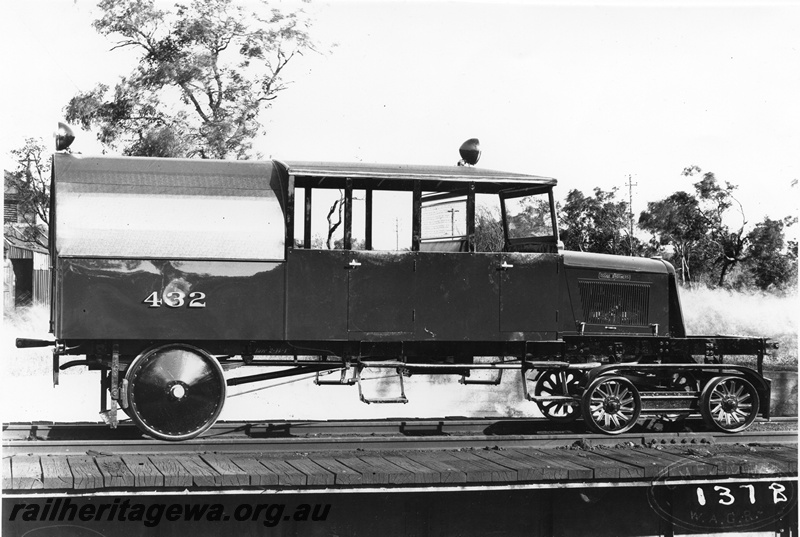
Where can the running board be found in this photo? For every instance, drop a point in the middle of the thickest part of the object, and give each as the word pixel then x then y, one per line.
pixel 398 399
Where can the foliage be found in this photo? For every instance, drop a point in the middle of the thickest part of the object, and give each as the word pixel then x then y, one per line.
pixel 30 184
pixel 677 221
pixel 488 231
pixel 206 70
pixel 770 267
pixel 728 244
pixel 694 227
pixel 597 224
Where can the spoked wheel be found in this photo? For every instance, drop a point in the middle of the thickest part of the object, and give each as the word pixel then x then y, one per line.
pixel 729 404
pixel 611 405
pixel 175 392
pixel 554 383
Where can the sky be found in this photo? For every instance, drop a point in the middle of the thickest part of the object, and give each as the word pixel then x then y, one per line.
pixel 587 93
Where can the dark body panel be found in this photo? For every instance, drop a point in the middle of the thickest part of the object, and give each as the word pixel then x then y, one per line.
pixel 317 295
pixel 105 299
pixel 529 294
pixel 457 297
pixel 380 294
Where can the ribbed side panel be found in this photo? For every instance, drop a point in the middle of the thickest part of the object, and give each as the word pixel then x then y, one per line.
pixel 41 287
pixel 615 303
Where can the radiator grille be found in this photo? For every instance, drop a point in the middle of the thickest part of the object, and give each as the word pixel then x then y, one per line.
pixel 614 303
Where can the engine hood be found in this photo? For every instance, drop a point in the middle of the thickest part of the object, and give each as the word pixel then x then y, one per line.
pixel 616 262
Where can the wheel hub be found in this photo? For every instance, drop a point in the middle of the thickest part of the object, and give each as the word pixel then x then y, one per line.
pixel 729 404
pixel 177 390
pixel 612 405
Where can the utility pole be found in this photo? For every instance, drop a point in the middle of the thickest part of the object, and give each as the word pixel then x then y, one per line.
pixel 631 184
pixel 453 221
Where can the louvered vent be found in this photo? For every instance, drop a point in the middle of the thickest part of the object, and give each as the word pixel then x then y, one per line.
pixel 614 303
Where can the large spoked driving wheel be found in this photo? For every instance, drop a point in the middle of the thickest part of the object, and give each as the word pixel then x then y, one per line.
pixel 557 383
pixel 175 392
pixel 611 405
pixel 729 404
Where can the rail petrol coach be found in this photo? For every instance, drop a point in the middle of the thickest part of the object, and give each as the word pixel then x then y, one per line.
pixel 169 272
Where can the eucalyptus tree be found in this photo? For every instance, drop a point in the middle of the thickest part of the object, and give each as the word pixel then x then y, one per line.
pixel 205 72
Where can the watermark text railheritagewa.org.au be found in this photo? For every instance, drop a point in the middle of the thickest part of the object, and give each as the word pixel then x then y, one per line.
pixel 153 514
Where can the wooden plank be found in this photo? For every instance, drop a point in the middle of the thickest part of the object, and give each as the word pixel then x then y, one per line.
pixel 786 453
pixel 574 471
pixel 789 457
pixel 315 474
pixel 649 465
pixel 6 473
pixel 145 473
pixel 56 473
pixel 712 456
pixel 344 475
pixel 85 472
pixel 523 469
pixel 396 475
pixel 448 473
pixel 421 473
pixel 370 475
pixel 202 474
pixel 174 474
pixel 287 474
pixel 260 475
pixel 537 470
pixel 602 468
pixel 376 471
pixel 231 474
pixel 523 466
pixel 482 470
pixel 115 472
pixel 783 459
pixel 26 473
pixel 758 463
pixel 680 465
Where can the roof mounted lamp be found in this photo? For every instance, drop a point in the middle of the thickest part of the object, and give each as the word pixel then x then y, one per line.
pixel 64 137
pixel 470 152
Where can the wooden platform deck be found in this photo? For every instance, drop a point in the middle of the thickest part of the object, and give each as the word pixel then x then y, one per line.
pixel 92 472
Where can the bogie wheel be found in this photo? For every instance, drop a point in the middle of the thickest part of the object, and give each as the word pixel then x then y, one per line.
pixel 175 392
pixel 729 404
pixel 554 383
pixel 611 405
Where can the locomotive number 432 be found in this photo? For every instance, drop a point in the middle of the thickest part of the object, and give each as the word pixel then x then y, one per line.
pixel 176 299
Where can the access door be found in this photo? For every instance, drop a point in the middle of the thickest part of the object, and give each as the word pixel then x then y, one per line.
pixel 528 292
pixel 380 292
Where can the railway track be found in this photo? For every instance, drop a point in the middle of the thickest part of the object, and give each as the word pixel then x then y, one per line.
pixel 379 435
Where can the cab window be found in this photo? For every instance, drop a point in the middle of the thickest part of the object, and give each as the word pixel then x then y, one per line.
pixel 529 220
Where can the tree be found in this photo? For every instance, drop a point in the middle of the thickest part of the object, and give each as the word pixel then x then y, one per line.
pixel 694 226
pixel 488 231
pixel 206 70
pixel 31 183
pixel 769 263
pixel 716 200
pixel 597 223
pixel 677 221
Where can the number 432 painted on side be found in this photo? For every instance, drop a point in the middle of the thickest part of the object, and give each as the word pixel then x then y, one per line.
pixel 176 299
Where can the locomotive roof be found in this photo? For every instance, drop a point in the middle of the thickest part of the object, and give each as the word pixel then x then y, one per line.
pixel 404 172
